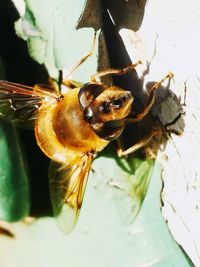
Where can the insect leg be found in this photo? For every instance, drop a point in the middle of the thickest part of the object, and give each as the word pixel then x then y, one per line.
pixel 151 100
pixel 114 71
pixel 72 84
pixel 83 59
pixel 137 145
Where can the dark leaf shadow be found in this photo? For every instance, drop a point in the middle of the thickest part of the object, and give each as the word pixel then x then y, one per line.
pixel 20 68
pixel 112 22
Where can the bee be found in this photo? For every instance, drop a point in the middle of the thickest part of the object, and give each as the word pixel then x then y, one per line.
pixel 71 127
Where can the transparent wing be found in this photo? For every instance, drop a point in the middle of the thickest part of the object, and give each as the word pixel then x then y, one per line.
pixel 19 103
pixel 67 187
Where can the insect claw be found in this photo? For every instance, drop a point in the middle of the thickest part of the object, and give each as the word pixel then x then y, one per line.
pixel 170 75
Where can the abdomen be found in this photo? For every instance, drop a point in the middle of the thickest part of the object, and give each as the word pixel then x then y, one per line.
pixel 61 131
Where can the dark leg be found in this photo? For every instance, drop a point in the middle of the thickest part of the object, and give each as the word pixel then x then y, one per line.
pixel 156 132
pixel 138 145
pixel 114 71
pixel 151 99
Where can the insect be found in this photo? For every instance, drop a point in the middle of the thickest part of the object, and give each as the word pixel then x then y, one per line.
pixel 70 128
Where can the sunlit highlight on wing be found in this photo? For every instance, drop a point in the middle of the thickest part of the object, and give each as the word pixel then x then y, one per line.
pixel 67 187
pixel 19 103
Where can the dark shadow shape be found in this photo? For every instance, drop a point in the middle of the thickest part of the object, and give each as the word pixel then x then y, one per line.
pixel 126 14
pixel 130 81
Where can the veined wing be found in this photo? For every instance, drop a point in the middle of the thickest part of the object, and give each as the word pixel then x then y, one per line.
pixel 67 187
pixel 19 103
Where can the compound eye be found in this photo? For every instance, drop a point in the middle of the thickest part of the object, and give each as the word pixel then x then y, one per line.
pixel 88 115
pixel 88 93
pixel 105 107
pixel 117 103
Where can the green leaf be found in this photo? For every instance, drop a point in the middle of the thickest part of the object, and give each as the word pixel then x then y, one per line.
pixel 129 180
pixel 50 31
pixel 100 235
pixel 14 188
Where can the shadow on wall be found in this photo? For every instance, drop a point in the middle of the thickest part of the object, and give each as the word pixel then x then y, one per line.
pixel 129 14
